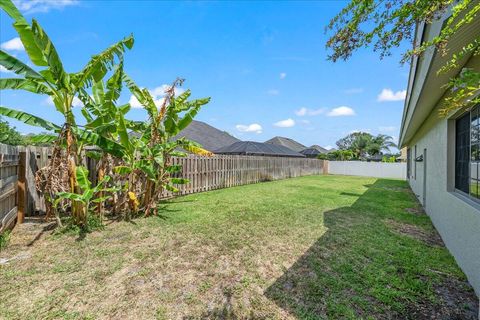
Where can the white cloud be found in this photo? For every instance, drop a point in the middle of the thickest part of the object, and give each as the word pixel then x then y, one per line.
pixel 301 112
pixel 354 90
pixel 283 75
pixel 328 147
pixel 160 91
pixel 387 129
pixel 342 111
pixel 134 102
pixel 287 123
pixel 304 121
pixel 273 92
pixel 389 95
pixel 158 95
pixel 14 44
pixel 75 103
pixel 5 70
pixel 310 112
pixel 32 6
pixel 254 127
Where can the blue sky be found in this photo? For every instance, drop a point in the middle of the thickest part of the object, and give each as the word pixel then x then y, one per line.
pixel 264 64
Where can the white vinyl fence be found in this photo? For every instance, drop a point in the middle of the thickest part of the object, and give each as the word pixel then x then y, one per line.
pixel 369 169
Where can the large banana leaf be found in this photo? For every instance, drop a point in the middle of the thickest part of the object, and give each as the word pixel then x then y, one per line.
pixel 179 180
pixel 12 10
pixel 13 64
pixel 98 66
pixel 114 85
pixel 28 119
pixel 50 53
pixel 25 32
pixel 142 95
pixel 24 84
pixel 107 145
pixel 123 133
pixel 81 174
pixel 188 117
pixel 43 138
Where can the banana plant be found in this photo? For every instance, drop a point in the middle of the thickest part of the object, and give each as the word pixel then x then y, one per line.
pixel 156 143
pixel 90 193
pixel 61 86
pixel 104 117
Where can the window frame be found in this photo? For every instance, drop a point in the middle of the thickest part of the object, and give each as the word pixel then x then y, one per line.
pixel 468 196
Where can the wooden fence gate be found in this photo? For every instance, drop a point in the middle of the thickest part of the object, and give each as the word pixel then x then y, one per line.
pixel 9 169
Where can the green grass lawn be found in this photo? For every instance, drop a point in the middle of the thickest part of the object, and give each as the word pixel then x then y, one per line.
pixel 309 248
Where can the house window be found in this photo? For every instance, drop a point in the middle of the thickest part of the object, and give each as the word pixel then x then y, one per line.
pixel 467 153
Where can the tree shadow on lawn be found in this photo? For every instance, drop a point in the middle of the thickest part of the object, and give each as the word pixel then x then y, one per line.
pixel 364 267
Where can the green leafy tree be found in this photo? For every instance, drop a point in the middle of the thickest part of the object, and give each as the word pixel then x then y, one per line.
pixel 363 144
pixel 387 24
pixel 380 143
pixel 54 81
pixel 9 135
pixel 357 142
pixel 340 155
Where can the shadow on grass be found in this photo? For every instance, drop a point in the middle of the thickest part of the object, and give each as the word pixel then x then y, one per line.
pixel 361 268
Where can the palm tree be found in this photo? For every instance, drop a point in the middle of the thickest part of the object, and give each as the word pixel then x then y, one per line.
pixel 361 145
pixel 380 143
pixel 54 81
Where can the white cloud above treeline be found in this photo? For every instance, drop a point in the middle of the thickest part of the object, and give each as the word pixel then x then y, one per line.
pixel 254 127
pixel 287 123
pixel 342 111
pixel 389 95
pixel 309 112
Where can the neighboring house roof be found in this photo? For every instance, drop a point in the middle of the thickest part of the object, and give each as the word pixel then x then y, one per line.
pixel 319 148
pixel 258 149
pixel 425 85
pixel 309 152
pixel 209 137
pixel 287 142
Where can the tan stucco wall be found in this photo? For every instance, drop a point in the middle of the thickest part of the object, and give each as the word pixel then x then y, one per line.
pixel 456 218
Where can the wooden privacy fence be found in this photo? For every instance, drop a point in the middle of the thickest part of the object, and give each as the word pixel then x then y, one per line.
pixel 222 171
pixel 19 165
pixel 9 168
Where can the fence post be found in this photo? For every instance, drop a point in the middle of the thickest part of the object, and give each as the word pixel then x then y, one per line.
pixel 325 166
pixel 21 185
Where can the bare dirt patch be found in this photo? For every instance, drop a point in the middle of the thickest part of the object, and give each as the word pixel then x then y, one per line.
pixel 418 211
pixel 455 302
pixel 432 238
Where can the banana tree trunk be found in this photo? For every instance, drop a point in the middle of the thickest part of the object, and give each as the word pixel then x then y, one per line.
pixel 147 199
pixel 100 176
pixel 79 211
